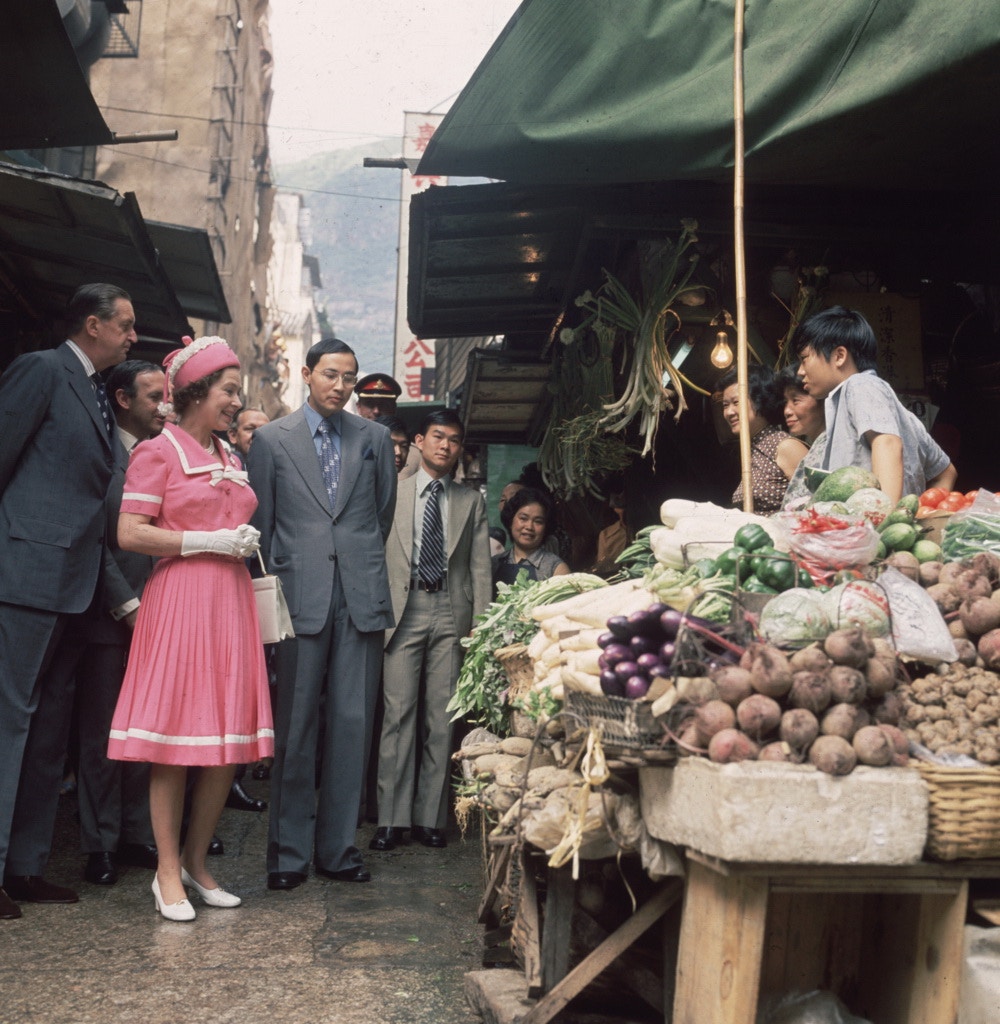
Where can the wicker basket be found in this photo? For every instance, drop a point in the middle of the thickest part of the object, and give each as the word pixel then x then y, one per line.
pixel 627 726
pixel 964 811
pixel 520 671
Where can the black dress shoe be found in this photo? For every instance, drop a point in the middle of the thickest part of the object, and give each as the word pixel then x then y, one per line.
pixel 9 910
pixel 240 800
pixel 433 837
pixel 285 879
pixel 387 838
pixel 34 889
pixel 261 771
pixel 138 855
pixel 100 869
pixel 215 847
pixel 358 873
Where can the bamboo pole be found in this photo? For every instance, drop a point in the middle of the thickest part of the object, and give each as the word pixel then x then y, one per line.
pixel 739 262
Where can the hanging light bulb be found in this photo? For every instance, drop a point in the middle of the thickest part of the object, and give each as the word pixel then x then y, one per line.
pixel 722 354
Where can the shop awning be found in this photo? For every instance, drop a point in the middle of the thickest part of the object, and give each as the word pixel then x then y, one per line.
pixel 186 254
pixel 881 94
pixel 505 401
pixel 57 233
pixel 46 98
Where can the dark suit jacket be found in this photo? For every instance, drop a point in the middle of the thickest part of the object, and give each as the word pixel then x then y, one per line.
pixel 467 550
pixel 56 463
pixel 301 537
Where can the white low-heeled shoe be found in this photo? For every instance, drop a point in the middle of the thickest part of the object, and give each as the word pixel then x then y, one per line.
pixel 213 897
pixel 179 911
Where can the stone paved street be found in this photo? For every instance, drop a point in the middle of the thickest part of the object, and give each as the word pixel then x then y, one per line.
pixel 393 950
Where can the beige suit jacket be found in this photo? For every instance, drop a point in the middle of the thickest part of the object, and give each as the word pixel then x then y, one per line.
pixel 470 580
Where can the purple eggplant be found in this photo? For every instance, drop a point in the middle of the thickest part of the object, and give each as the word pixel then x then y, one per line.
pixel 647 661
pixel 616 652
pixel 624 669
pixel 658 671
pixel 670 623
pixel 636 687
pixel 611 684
pixel 606 638
pixel 644 623
pixel 667 652
pixel 642 644
pixel 620 626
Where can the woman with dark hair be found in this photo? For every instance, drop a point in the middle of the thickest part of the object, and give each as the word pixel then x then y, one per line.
pixel 805 419
pixel 528 517
pixel 774 454
pixel 195 689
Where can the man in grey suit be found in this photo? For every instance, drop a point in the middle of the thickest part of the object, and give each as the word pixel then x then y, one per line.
pixel 56 461
pixel 438 556
pixel 113 795
pixel 326 484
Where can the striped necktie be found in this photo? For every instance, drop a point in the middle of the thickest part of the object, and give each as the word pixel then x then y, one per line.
pixel 431 567
pixel 329 462
pixel 103 404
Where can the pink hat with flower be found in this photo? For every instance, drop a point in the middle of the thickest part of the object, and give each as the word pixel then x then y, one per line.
pixel 196 360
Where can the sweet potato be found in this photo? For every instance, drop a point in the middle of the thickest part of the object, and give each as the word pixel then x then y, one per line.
pixel 810 659
pixel 798 728
pixel 849 646
pixel 770 673
pixel 733 683
pixel 833 755
pixel 847 685
pixel 732 745
pixel 872 746
pixel 758 716
pixel 841 720
pixel 810 690
pixel 713 717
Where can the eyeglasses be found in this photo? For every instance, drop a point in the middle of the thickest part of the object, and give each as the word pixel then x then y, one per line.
pixel 349 379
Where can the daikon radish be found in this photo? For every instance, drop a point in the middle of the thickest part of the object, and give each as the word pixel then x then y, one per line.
pixel 572 605
pixel 538 644
pixel 582 641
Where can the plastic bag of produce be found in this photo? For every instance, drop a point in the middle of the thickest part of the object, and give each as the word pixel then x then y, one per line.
pixel 825 543
pixel 918 630
pixel 973 530
pixel 795 618
pixel 859 603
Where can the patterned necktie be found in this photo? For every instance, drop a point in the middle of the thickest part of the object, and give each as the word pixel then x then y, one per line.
pixel 103 403
pixel 329 462
pixel 431 567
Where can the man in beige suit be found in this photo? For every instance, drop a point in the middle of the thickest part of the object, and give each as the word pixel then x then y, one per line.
pixel 438 557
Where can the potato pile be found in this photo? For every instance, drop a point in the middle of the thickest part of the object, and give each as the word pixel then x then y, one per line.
pixel 966 595
pixel 955 711
pixel 833 704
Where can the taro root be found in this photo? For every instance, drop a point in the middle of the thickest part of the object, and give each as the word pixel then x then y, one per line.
pixel 967 652
pixel 713 717
pixel 950 572
pixel 945 596
pixel 758 715
pixel 889 710
pixel 842 720
pixel 979 615
pixel 810 659
pixel 872 746
pixel 970 583
pixel 733 683
pixel 989 649
pixel 906 563
pixel 986 564
pixel 900 745
pixel 810 690
pixel 957 629
pixel 849 646
pixel 833 755
pixel 929 573
pixel 732 745
pixel 880 675
pixel 770 673
pixel 847 685
pixel 798 728
pixel 777 751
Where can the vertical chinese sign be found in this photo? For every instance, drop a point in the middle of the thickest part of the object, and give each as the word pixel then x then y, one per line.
pixel 413 365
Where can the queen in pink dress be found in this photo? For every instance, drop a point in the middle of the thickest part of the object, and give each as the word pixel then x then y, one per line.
pixel 195 690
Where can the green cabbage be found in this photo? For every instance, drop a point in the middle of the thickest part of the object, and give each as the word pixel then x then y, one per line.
pixel 795 618
pixel 859 603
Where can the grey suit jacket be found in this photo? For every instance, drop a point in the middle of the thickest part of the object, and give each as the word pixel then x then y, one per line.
pixel 301 536
pixel 56 462
pixel 470 577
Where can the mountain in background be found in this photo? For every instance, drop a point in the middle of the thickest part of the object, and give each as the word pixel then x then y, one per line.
pixel 355 234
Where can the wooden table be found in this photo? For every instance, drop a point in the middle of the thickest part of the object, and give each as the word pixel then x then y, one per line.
pixel 886 940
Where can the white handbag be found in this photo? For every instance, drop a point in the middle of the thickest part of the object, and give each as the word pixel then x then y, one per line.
pixel 272 609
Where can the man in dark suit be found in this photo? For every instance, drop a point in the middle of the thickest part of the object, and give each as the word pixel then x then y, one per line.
pixel 114 795
pixel 438 557
pixel 326 483
pixel 57 458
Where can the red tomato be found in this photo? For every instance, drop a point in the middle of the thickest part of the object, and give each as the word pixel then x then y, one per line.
pixel 933 496
pixel 970 496
pixel 952 503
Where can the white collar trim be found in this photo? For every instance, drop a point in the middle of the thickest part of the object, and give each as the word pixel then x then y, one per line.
pixel 227 472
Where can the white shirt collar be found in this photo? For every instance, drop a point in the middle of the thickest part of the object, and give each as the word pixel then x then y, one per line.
pixel 88 366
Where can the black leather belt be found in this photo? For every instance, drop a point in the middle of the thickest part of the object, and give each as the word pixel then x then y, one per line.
pixel 430 588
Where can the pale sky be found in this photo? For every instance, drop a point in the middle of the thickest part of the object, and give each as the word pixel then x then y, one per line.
pixel 344 73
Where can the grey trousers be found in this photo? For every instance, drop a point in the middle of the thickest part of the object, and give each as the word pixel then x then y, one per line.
pixel 421 667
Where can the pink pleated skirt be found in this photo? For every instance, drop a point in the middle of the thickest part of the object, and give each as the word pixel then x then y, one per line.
pixel 195 688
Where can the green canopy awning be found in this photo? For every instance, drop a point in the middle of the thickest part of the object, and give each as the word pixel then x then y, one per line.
pixel 852 93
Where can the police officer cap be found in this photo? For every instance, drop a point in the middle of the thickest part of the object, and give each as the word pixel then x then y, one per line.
pixel 377 385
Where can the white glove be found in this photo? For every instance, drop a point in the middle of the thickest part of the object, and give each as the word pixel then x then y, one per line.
pixel 240 543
